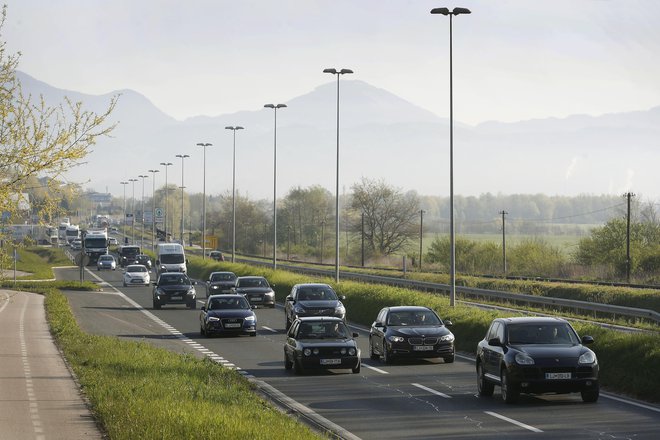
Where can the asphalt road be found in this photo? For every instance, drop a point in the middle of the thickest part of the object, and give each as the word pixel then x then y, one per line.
pixel 407 400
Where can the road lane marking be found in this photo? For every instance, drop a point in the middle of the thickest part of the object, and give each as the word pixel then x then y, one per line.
pixel 630 402
pixel 378 370
pixel 515 422
pixel 431 390
pixel 269 329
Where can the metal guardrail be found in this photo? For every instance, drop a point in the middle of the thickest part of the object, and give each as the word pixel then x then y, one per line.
pixel 614 310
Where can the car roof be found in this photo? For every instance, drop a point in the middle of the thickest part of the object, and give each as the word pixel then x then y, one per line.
pixel 225 272
pixel 407 308
pixel 170 273
pixel 320 319
pixel 312 285
pixel 532 320
pixel 136 265
pixel 106 256
pixel 252 277
pixel 227 295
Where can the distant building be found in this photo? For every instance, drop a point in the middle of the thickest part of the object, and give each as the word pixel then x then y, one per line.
pixel 99 198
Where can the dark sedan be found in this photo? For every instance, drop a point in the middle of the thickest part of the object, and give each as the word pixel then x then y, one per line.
pixel 220 282
pixel 227 315
pixel 313 299
pixel 174 288
pixel 256 290
pixel 321 343
pixel 410 332
pixel 144 260
pixel 536 355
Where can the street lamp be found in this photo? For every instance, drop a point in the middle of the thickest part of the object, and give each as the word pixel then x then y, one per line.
pixel 142 214
pixel 204 145
pixel 233 195
pixel 133 212
pixel 452 238
pixel 275 107
pixel 167 190
pixel 338 73
pixel 182 156
pixel 124 185
pixel 153 209
pixel 421 235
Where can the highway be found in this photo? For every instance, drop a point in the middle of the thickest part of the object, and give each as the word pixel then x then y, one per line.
pixel 407 400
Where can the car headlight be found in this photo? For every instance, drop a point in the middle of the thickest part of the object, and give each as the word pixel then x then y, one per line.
pixel 524 359
pixel 339 309
pixel 215 287
pixel 191 292
pixel 315 351
pixel 298 309
pixel 396 338
pixel 307 352
pixel 587 358
pixel 250 318
pixel 351 351
pixel 447 338
pixel 212 318
pixel 271 293
pixel 342 351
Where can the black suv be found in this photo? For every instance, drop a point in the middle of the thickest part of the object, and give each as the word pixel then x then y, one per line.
pixel 536 355
pixel 313 299
pixel 174 288
pixel 128 254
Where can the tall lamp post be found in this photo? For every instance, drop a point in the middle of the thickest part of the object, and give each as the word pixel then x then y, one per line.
pixel 275 107
pixel 204 145
pixel 182 156
pixel 421 236
pixel 233 194
pixel 142 214
pixel 124 185
pixel 452 238
pixel 338 73
pixel 133 212
pixel 153 209
pixel 167 191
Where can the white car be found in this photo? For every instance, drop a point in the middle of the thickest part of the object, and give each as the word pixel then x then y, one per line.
pixel 106 262
pixel 136 274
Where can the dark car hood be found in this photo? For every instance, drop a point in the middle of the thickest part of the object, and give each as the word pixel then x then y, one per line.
pixel 329 304
pixel 328 342
pixel 222 283
pixel 230 313
pixel 254 289
pixel 175 288
pixel 538 351
pixel 428 330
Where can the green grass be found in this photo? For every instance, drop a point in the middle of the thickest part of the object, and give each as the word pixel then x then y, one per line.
pixel 139 391
pixel 38 262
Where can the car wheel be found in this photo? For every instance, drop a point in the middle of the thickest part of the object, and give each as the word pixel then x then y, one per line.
pixel 510 391
pixel 450 359
pixel 192 305
pixel 124 283
pixel 387 356
pixel 156 305
pixel 356 369
pixel 287 324
pixel 253 334
pixel 373 356
pixel 287 363
pixel 590 396
pixel 99 269
pixel 484 387
pixel 202 331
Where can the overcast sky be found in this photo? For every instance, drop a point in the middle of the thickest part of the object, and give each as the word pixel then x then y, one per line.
pixel 513 59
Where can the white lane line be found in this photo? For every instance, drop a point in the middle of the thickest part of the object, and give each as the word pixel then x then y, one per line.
pixel 269 329
pixel 431 390
pixel 630 402
pixel 515 422
pixel 377 370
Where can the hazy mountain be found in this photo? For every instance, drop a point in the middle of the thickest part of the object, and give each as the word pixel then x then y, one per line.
pixel 382 136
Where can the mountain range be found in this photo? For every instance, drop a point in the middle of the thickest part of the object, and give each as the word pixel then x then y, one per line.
pixel 382 136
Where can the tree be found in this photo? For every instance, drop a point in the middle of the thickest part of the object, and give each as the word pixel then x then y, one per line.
pixel 39 141
pixel 390 217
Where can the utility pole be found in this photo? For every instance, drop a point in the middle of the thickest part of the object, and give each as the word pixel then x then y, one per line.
pixel 628 195
pixel 421 235
pixel 362 238
pixel 503 242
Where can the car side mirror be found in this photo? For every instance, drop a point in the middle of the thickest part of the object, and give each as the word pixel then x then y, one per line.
pixel 194 283
pixel 448 323
pixel 155 283
pixel 203 309
pixel 377 324
pixel 355 335
pixel 289 298
pixel 587 340
pixel 495 342
pixel 342 297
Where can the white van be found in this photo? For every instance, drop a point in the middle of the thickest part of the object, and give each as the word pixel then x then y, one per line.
pixel 170 257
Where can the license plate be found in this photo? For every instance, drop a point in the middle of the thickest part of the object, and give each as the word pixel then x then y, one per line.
pixel 555 376
pixel 422 348
pixel 232 325
pixel 174 298
pixel 330 361
pixel 137 281
pixel 255 298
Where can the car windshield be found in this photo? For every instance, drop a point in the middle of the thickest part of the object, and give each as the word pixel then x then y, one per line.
pixel 551 333
pixel 322 330
pixel 229 303
pixel 252 282
pixel 413 318
pixel 106 258
pixel 316 293
pixel 172 258
pixel 136 269
pixel 171 280
pixel 223 277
